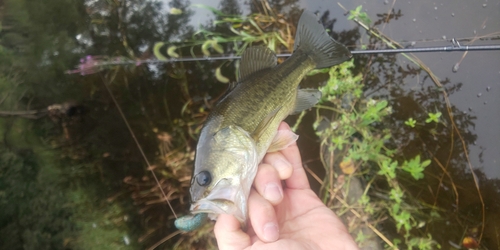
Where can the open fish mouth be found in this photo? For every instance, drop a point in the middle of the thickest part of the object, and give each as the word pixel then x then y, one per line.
pixel 213 206
pixel 224 199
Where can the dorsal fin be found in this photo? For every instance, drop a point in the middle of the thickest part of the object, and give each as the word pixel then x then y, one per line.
pixel 255 59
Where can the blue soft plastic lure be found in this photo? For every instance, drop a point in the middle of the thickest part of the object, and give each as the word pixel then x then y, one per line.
pixel 190 222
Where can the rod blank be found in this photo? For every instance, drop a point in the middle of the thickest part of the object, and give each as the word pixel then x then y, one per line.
pixel 455 47
pixel 450 48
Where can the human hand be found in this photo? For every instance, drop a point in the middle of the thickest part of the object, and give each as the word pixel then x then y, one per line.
pixel 283 217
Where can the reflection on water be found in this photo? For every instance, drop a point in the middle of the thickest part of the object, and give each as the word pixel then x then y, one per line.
pixel 166 103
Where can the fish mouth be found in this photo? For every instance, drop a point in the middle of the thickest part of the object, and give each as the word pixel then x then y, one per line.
pixel 223 199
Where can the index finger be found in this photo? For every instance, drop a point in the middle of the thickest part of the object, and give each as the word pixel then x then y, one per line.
pixel 298 180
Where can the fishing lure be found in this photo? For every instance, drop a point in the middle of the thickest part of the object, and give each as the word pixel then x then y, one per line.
pixel 190 222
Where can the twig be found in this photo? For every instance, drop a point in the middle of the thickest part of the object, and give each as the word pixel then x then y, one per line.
pixel 353 211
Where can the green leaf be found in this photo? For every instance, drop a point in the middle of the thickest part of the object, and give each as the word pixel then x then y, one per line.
pixel 204 48
pixel 171 51
pixel 360 15
pixel 245 34
pixel 388 168
pixel 403 219
pixel 220 77
pixel 381 105
pixel 217 47
pixel 365 19
pixel 396 195
pixel 415 167
pixel 433 117
pixel 157 53
pixel 426 163
pixel 254 24
pixel 411 122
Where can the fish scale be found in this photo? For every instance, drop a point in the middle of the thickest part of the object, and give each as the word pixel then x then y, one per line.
pixel 249 95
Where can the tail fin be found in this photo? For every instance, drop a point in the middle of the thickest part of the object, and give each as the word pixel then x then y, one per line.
pixel 311 38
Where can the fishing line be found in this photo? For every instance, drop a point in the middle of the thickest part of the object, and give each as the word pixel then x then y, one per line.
pixel 138 145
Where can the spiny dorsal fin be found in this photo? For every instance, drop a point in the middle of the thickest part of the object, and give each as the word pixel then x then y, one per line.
pixel 306 98
pixel 256 59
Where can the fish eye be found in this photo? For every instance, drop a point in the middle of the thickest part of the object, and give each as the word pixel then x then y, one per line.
pixel 203 178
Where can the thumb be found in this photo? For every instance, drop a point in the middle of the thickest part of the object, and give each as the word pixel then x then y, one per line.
pixel 229 234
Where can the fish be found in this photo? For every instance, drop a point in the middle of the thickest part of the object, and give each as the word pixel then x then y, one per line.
pixel 243 126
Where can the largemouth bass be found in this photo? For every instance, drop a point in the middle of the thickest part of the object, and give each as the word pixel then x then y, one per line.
pixel 243 125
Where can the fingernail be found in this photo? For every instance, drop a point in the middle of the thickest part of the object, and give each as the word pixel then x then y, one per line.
pixel 271 232
pixel 272 192
pixel 282 165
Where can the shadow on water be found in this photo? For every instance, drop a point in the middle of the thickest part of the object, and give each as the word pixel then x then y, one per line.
pixel 165 105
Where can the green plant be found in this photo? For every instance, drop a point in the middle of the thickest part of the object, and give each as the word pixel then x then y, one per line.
pixel 433 117
pixel 353 135
pixel 415 167
pixel 360 15
pixel 411 122
pixel 270 29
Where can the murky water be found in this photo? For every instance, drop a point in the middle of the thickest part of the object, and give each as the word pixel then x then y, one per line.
pixel 154 98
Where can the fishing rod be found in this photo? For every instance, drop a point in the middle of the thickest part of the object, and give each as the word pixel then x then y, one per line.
pixel 451 48
pixel 93 64
pixel 456 46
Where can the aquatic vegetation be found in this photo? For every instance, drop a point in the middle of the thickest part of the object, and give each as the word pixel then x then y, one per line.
pixel 411 122
pixel 433 117
pixel 432 121
pixel 346 123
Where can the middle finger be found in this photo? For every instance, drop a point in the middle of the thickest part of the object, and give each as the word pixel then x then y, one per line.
pixel 268 183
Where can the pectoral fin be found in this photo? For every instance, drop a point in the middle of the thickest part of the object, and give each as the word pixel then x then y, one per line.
pixel 282 140
pixel 306 98
pixel 262 127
